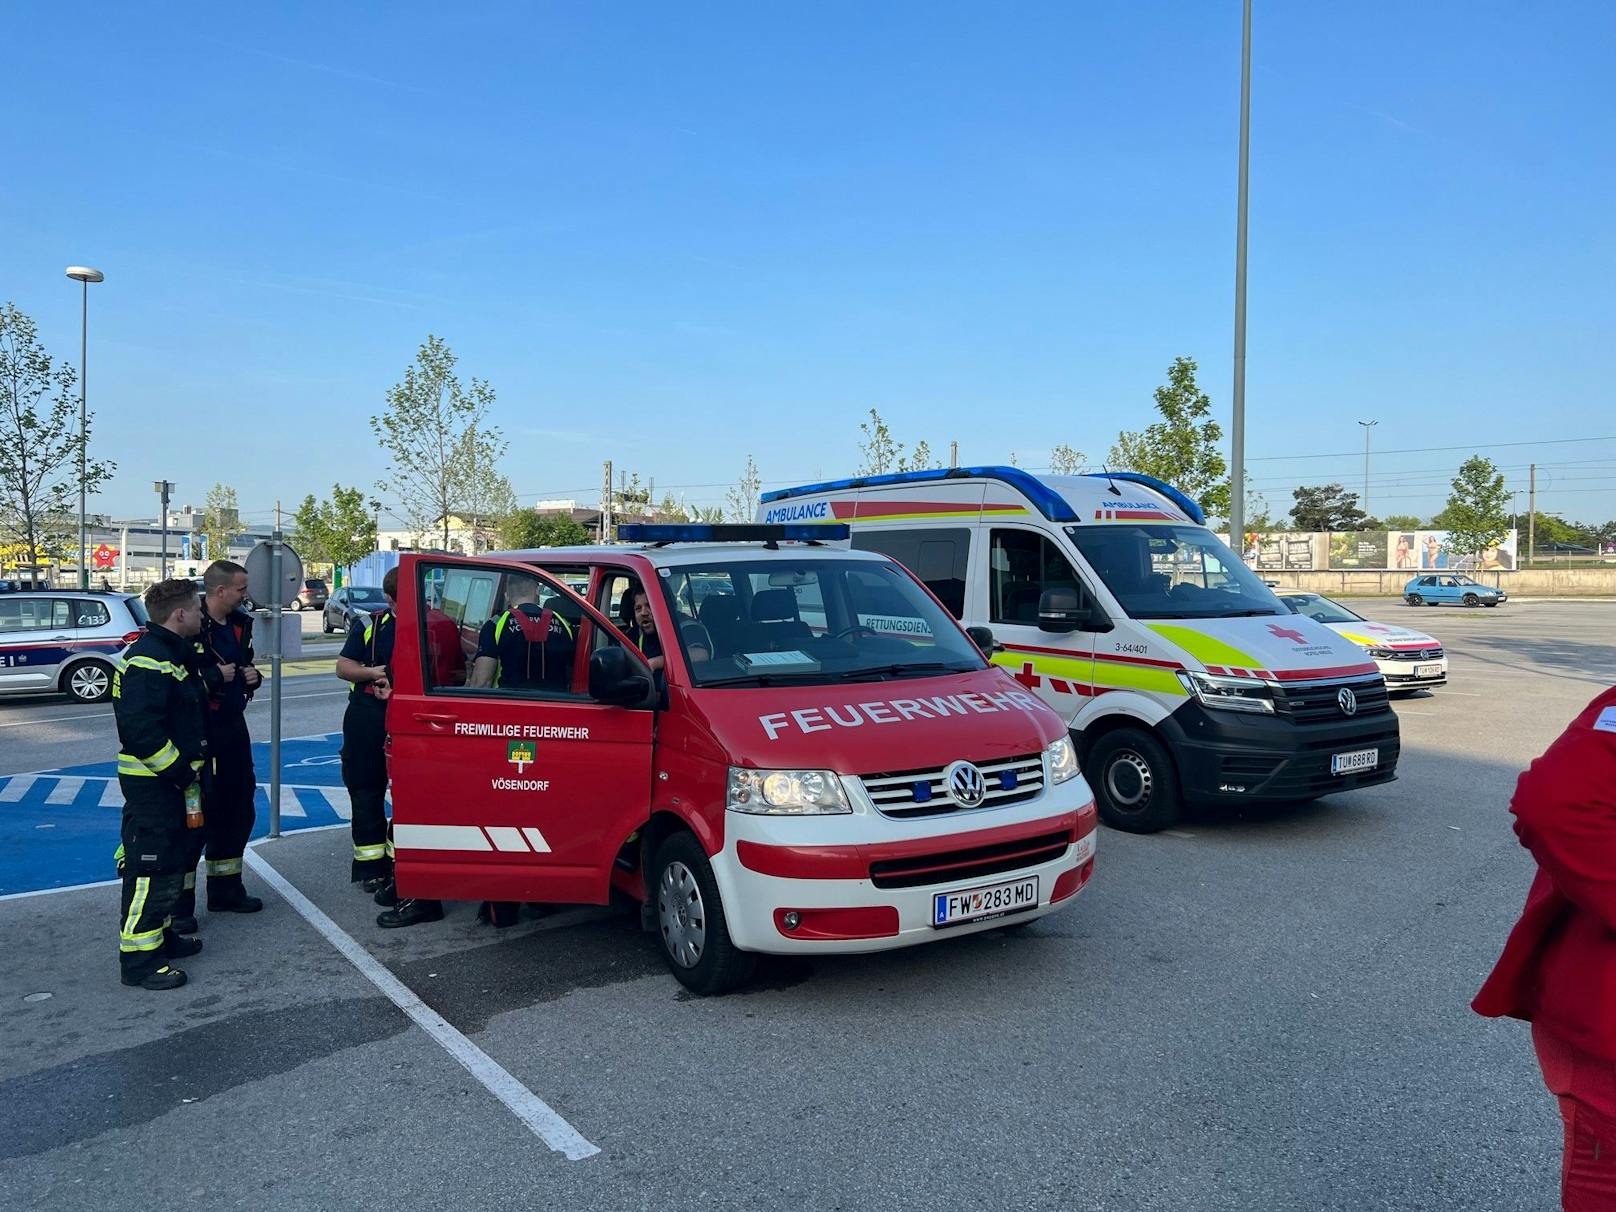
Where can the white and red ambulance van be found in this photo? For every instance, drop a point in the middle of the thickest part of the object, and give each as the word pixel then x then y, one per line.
pixel 791 780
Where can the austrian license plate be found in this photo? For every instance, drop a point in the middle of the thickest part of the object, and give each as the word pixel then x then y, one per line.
pixel 991 900
pixel 1427 671
pixel 1352 763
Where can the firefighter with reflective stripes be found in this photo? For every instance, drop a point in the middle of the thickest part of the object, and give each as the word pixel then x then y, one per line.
pixel 524 646
pixel 366 660
pixel 226 647
pixel 159 703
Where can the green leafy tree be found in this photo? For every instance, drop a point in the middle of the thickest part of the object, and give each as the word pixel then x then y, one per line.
pixel 920 459
pixel 485 494
pixel 1402 521
pixel 441 450
pixel 1182 448
pixel 672 510
pixel 1476 516
pixel 1066 460
pixel 880 450
pixel 524 528
pixel 711 514
pixel 742 500
pixel 220 520
pixel 1326 507
pixel 339 530
pixel 39 445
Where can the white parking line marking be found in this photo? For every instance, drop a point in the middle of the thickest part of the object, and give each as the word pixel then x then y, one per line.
pixel 1176 833
pixel 536 1114
pixel 290 804
pixel 16 788
pixel 65 790
pixel 111 794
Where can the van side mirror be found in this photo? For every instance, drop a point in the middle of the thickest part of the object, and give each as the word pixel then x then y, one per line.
pixel 617 679
pixel 982 637
pixel 1063 610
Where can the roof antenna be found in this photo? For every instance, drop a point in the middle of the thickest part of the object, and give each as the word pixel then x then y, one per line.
pixel 1115 491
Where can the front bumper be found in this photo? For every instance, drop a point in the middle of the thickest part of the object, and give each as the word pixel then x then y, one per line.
pixel 1400 675
pixel 1267 759
pixel 862 882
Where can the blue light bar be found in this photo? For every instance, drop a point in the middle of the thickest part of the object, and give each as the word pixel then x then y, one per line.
pixel 1190 508
pixel 1049 502
pixel 744 532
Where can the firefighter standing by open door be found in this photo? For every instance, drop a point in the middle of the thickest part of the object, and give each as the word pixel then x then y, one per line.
pixel 159 702
pixel 366 661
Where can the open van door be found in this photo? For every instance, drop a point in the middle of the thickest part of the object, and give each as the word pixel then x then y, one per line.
pixel 515 792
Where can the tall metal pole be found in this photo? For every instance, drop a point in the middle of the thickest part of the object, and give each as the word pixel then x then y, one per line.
pixel 276 573
pixel 1367 426
pixel 84 433
pixel 1531 516
pixel 1237 435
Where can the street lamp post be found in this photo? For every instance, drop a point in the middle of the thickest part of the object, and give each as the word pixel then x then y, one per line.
pixel 84 275
pixel 1367 426
pixel 1237 431
pixel 163 488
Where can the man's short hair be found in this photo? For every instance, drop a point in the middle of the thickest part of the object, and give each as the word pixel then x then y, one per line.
pixel 523 587
pixel 390 583
pixel 165 597
pixel 221 574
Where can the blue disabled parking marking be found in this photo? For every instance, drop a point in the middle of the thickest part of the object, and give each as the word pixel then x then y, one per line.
pixel 59 828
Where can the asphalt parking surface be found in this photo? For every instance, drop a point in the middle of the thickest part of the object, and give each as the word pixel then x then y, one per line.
pixel 1266 1010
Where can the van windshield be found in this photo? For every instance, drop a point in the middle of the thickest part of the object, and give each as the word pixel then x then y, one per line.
pixel 810 621
pixel 1172 572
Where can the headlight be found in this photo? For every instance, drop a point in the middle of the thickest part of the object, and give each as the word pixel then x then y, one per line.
pixel 1229 694
pixel 1061 761
pixel 1382 654
pixel 786 792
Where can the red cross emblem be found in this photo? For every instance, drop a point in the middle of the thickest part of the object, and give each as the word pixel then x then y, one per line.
pixel 1027 677
pixel 1285 633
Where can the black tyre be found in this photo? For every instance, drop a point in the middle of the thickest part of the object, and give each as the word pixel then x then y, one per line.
pixel 296 604
pixel 690 920
pixel 1135 782
pixel 88 681
pixel 1471 599
pixel 325 623
pixel 1415 599
pixel 1490 605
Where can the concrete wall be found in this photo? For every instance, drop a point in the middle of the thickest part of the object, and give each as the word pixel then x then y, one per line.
pixel 1527 583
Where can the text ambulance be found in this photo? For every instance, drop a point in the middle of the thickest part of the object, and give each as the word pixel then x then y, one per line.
pixel 791 779
pixel 1182 677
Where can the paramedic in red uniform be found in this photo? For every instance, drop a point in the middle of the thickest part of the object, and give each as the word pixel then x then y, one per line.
pixel 365 661
pixel 1558 970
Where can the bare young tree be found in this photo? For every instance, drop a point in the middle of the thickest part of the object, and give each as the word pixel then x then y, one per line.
pixel 743 498
pixel 441 450
pixel 879 449
pixel 39 444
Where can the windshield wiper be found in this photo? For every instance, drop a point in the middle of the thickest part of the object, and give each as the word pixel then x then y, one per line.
pixel 1246 614
pixel 917 668
pixel 767 679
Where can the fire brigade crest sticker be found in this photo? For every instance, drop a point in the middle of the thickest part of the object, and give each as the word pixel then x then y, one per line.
pixel 521 754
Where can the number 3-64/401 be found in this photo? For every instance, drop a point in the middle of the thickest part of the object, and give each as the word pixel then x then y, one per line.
pixel 1135 649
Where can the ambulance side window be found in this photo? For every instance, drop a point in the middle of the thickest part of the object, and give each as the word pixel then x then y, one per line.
pixel 1024 564
pixel 936 557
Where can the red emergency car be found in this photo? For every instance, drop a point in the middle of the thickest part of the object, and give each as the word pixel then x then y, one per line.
pixel 825 762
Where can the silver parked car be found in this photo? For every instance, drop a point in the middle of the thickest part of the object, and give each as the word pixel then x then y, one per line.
pixel 64 641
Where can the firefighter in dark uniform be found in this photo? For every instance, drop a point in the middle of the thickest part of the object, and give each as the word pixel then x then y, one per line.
pixel 231 678
pixel 159 703
pixel 366 661
pixel 524 646
pixel 642 631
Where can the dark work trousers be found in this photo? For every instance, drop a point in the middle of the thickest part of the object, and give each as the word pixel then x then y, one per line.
pixel 364 773
pixel 152 876
pixel 228 812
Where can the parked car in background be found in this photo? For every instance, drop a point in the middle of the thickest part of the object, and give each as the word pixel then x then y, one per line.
pixel 65 641
pixel 1451 589
pixel 312 595
pixel 349 603
pixel 1407 659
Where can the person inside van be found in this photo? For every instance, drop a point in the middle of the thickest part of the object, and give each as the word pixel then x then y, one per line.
pixel 524 646
pixel 642 631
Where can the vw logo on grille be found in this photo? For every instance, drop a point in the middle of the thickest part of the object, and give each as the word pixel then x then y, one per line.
pixel 965 784
pixel 1347 701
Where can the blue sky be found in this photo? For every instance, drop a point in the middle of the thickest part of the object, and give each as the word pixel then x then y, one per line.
pixel 674 235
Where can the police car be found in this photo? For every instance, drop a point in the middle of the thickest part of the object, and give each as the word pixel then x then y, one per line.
pixel 64 641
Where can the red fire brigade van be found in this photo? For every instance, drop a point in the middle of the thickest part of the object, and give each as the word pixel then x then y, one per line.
pixel 759 764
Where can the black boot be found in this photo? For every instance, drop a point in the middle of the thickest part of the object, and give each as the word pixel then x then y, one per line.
pixel 175 947
pixel 166 977
pixel 183 925
pixel 227 895
pixel 410 913
pixel 387 895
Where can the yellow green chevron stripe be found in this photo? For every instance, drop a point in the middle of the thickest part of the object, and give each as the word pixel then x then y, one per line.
pixel 1204 648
